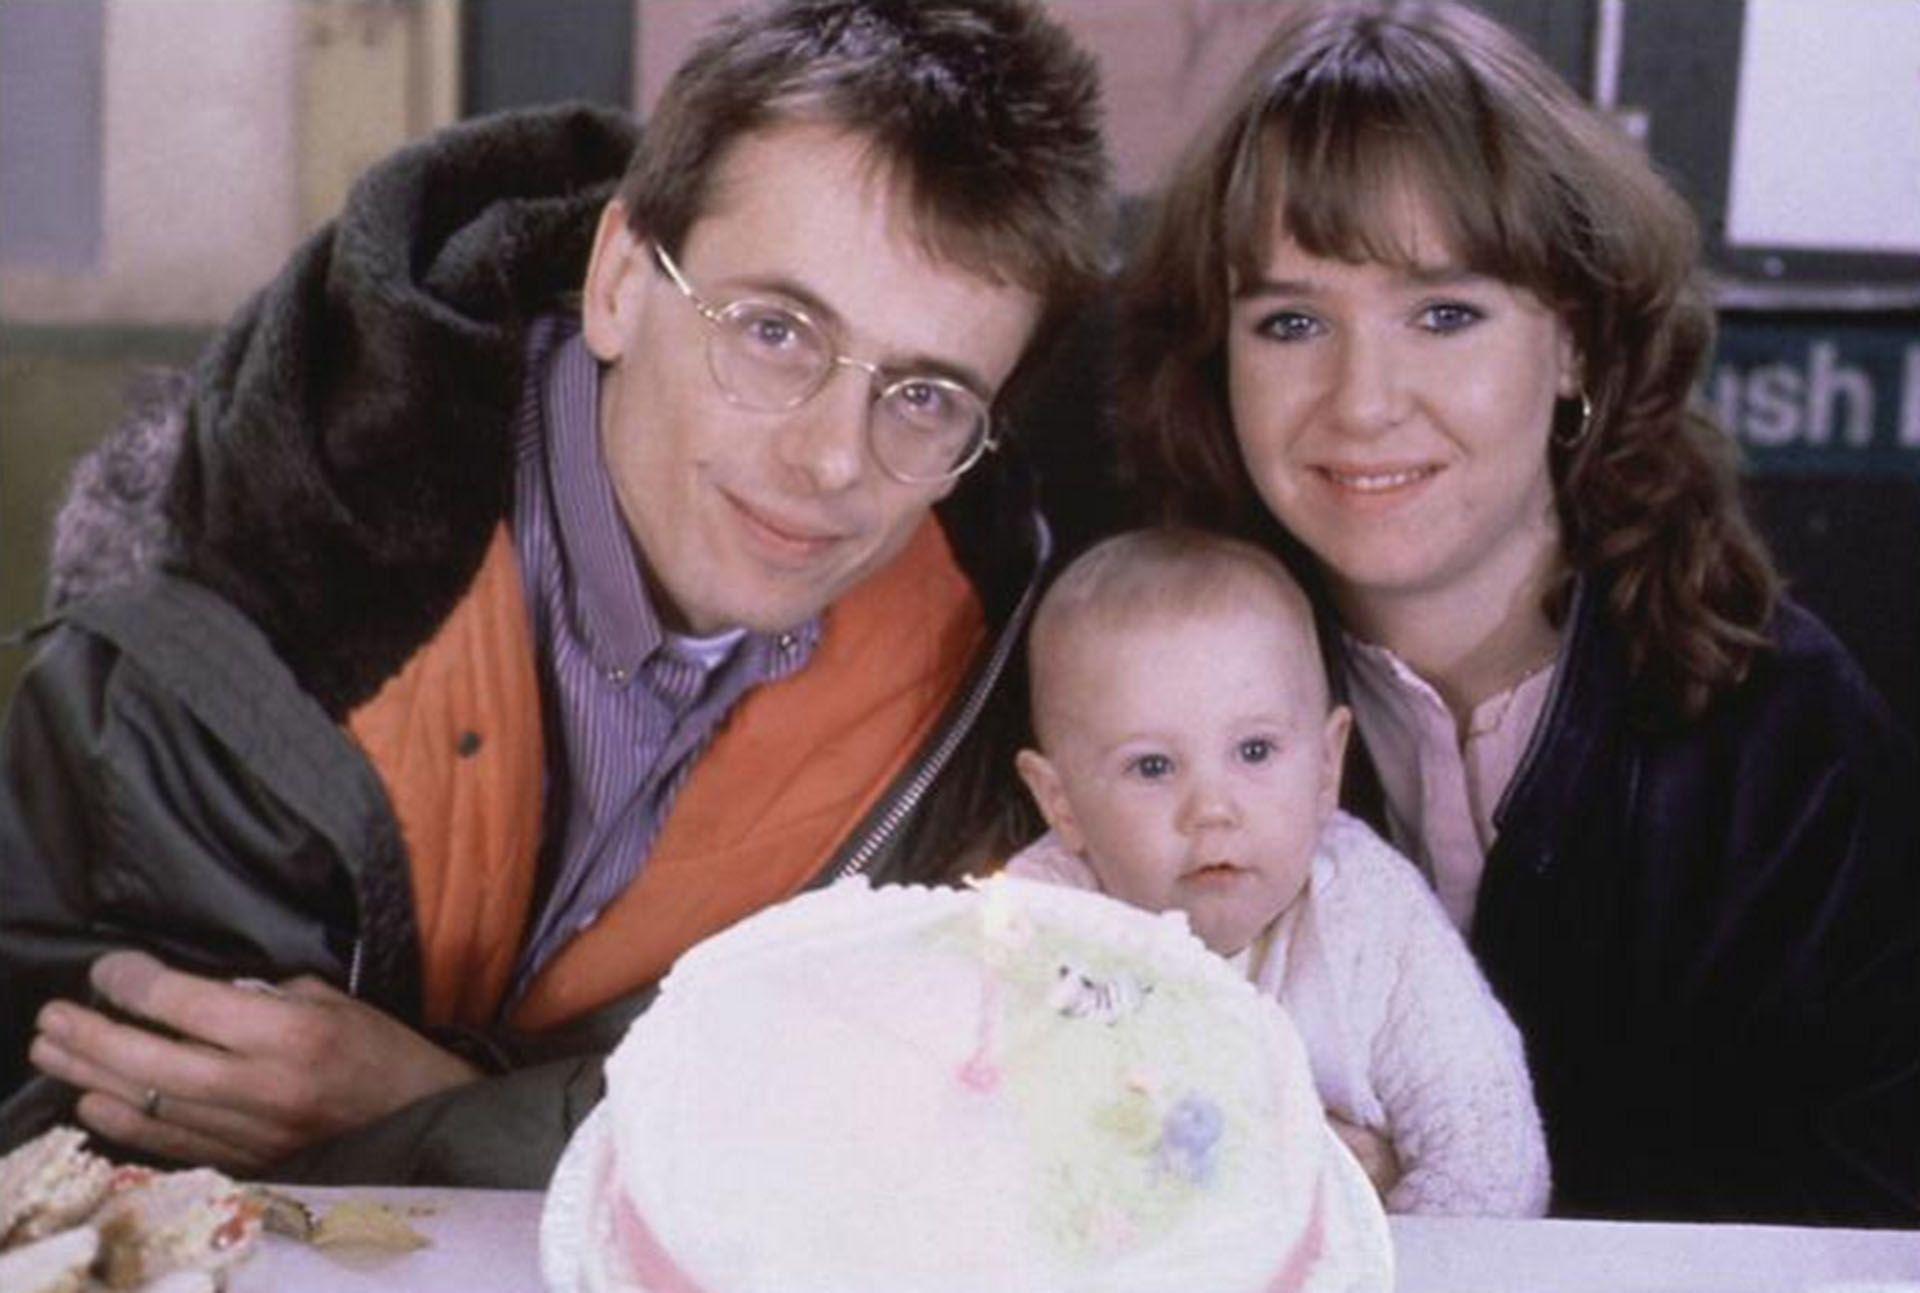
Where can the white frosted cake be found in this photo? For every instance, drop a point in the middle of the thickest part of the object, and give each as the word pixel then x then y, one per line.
pixel 917 1090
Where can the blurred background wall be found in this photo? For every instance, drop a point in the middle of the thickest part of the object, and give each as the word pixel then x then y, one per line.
pixel 159 158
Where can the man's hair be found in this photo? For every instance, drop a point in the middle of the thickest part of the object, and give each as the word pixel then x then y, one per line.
pixel 1346 107
pixel 984 110
pixel 1152 575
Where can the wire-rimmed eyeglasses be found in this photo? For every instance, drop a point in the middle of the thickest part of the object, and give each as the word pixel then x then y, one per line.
pixel 772 357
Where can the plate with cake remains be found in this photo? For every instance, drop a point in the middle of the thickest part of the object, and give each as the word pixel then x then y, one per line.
pixel 72 1221
pixel 1010 1086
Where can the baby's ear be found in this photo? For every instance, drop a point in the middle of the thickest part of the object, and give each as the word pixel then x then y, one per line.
pixel 1050 793
pixel 1333 754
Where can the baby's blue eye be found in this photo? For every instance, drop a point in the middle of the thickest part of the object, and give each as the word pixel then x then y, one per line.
pixel 1150 767
pixel 1257 749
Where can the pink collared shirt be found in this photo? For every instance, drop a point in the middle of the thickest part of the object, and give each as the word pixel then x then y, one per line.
pixel 1441 792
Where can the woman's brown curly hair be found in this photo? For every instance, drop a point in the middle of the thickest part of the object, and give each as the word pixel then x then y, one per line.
pixel 1343 107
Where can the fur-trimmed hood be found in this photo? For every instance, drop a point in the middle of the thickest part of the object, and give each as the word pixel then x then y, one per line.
pixel 337 459
pixel 342 451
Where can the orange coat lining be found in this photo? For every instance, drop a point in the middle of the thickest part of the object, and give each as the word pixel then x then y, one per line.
pixel 795 768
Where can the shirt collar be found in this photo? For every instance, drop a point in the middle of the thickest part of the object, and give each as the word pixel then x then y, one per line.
pixel 1385 683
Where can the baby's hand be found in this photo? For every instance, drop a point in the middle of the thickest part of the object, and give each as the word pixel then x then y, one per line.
pixel 1374 1151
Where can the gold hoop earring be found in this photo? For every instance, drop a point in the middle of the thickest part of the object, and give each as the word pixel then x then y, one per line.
pixel 1580 432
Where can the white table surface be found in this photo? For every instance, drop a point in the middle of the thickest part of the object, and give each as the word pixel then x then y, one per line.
pixel 488 1240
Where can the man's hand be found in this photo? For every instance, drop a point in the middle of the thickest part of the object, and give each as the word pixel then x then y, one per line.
pixel 255 1074
pixel 1374 1151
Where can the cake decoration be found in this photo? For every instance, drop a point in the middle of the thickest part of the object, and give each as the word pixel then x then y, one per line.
pixel 1079 995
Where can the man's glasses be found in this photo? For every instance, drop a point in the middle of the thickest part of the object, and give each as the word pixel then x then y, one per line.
pixel 771 357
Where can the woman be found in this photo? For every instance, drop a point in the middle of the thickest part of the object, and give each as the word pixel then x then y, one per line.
pixel 1408 298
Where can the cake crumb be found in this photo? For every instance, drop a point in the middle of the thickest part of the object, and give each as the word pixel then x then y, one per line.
pixel 369 1226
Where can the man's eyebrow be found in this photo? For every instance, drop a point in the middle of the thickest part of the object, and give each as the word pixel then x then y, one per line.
pixel 935 366
pixel 912 365
pixel 798 293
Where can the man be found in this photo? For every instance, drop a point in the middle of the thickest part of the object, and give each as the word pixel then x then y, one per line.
pixel 485 646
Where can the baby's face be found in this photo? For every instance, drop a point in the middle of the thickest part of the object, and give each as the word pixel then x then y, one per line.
pixel 1193 762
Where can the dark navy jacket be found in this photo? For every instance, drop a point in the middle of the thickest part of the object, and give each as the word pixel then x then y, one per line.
pixel 1710 939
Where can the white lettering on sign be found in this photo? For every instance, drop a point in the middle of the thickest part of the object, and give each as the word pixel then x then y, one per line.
pixel 1819 403
pixel 1830 386
pixel 1910 401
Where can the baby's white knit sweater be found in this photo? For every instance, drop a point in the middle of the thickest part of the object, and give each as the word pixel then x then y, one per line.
pixel 1404 1035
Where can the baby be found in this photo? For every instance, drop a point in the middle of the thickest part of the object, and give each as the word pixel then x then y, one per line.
pixel 1190 760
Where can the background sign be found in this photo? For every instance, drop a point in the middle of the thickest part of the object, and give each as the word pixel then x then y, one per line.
pixel 1828 393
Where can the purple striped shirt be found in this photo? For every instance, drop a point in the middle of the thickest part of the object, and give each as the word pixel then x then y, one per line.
pixel 628 706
